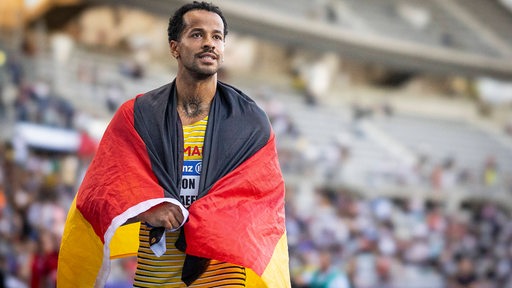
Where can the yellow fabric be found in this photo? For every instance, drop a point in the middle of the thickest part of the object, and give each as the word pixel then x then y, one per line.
pixel 71 272
pixel 276 275
pixel 125 242
pixel 254 280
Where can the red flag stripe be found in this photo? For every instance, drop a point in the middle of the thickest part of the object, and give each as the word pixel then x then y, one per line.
pixel 241 219
pixel 122 155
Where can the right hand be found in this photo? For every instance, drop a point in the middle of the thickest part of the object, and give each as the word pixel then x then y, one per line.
pixel 165 215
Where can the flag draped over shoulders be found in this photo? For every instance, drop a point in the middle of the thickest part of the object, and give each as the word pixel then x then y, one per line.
pixel 239 214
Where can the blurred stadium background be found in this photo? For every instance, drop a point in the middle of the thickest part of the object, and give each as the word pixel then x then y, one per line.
pixel 393 120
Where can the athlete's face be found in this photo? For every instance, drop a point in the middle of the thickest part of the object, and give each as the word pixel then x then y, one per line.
pixel 200 48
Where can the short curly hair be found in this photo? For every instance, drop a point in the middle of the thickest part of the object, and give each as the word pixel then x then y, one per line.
pixel 176 24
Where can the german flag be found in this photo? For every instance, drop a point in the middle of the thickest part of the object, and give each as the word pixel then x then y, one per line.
pixel 238 217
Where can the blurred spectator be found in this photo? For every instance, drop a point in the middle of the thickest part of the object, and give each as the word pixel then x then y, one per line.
pixel 465 276
pixel 508 127
pixel 3 108
pixel 330 12
pixel 44 262
pixel 328 275
pixel 445 176
pixel 132 69
pixel 325 228
pixel 114 97
pixel 490 173
pixel 15 69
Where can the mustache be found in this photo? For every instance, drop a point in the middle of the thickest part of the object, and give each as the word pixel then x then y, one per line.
pixel 208 50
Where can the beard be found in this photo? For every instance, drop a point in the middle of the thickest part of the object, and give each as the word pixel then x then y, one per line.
pixel 201 71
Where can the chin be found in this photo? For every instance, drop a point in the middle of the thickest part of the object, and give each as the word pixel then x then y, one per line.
pixel 202 72
pixel 208 72
pixel 205 75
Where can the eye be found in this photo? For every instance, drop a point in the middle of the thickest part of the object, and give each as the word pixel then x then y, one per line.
pixel 196 35
pixel 217 37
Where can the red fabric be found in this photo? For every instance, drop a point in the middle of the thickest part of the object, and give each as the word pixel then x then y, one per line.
pixel 241 219
pixel 120 176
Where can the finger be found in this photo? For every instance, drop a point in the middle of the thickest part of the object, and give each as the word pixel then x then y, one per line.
pixel 168 225
pixel 175 223
pixel 175 210
pixel 178 215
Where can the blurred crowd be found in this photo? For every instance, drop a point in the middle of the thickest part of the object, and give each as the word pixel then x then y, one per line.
pixel 37 185
pixel 336 237
pixel 334 161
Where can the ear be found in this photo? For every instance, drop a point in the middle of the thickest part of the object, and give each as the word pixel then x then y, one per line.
pixel 173 45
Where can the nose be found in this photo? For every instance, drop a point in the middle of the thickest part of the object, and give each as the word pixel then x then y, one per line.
pixel 208 44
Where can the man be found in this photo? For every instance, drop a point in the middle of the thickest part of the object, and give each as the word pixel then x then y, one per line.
pixel 195 162
pixel 328 275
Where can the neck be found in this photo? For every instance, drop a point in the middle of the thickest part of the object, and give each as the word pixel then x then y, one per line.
pixel 194 98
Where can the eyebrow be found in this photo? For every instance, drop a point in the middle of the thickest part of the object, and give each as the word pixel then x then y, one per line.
pixel 202 29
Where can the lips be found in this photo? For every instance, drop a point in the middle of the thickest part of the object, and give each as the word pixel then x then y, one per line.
pixel 208 56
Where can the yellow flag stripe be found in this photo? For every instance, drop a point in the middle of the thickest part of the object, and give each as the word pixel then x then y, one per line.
pixel 81 258
pixel 276 275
